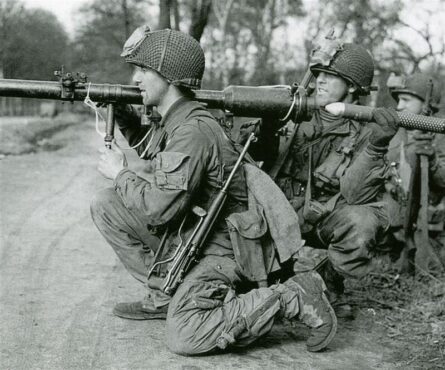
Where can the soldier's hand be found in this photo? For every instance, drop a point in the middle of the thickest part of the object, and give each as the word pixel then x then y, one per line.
pixel 112 161
pixel 423 144
pixel 101 105
pixel 246 129
pixel 120 109
pixel 385 127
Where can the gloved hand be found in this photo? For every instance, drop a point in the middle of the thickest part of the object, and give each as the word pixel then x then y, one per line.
pixel 423 144
pixel 246 129
pixel 385 127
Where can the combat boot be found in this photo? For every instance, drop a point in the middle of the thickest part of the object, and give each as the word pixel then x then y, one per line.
pixel 335 291
pixel 141 310
pixel 314 309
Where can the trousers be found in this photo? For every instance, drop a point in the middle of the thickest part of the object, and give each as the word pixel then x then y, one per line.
pixel 352 235
pixel 205 307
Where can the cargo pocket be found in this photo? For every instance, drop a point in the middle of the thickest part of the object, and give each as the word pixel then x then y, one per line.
pixel 171 171
pixel 246 229
pixel 209 296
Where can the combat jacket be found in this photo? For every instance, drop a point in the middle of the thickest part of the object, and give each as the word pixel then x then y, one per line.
pixel 402 159
pixel 188 157
pixel 345 169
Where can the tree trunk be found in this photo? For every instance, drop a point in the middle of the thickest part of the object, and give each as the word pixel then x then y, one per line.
pixel 200 16
pixel 164 14
pixel 126 19
pixel 176 16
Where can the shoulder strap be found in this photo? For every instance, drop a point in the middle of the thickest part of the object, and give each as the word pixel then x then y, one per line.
pixel 308 194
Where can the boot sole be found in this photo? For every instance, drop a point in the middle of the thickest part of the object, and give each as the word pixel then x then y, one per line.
pixel 140 316
pixel 322 345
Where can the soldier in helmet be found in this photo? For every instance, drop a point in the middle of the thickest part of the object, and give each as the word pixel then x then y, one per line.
pixel 333 172
pixel 418 93
pixel 188 157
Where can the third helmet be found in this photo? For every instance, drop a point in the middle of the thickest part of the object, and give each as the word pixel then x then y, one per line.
pixel 418 85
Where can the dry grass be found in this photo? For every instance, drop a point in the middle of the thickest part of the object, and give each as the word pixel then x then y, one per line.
pixel 412 311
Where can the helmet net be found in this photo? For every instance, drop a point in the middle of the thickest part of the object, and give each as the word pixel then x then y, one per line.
pixel 174 55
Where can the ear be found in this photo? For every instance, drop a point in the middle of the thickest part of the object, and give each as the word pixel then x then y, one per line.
pixel 352 89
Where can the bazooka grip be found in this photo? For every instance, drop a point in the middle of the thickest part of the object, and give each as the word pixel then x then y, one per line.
pixel 407 120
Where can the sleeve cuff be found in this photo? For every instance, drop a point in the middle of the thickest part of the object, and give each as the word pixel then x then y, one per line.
pixel 124 175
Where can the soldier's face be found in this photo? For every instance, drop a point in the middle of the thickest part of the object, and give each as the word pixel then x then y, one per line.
pixel 152 85
pixel 330 89
pixel 409 103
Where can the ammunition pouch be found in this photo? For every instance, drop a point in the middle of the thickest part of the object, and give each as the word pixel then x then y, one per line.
pixel 327 175
pixel 246 230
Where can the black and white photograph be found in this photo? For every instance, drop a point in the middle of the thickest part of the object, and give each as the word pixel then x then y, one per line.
pixel 222 184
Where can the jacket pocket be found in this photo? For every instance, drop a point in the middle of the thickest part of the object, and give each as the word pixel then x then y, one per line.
pixel 171 171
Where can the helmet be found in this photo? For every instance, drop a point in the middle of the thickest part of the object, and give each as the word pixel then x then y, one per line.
pixel 175 55
pixel 417 85
pixel 351 62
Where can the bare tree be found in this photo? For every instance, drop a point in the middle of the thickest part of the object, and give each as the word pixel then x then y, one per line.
pixel 126 18
pixel 200 10
pixel 176 15
pixel 99 38
pixel 412 59
pixel 164 14
pixel 33 43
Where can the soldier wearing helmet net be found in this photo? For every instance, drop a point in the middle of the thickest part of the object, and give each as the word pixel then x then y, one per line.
pixel 334 170
pixel 187 158
pixel 418 93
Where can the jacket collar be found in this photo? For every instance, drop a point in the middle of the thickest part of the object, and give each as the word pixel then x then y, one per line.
pixel 178 113
pixel 333 125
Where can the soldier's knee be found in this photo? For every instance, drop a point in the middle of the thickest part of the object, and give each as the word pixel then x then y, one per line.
pixel 101 201
pixel 362 224
pixel 349 222
pixel 359 216
pixel 180 340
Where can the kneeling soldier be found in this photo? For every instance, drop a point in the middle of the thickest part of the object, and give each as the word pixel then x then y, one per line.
pixel 188 158
pixel 418 93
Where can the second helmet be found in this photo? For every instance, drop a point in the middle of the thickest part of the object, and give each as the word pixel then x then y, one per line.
pixel 353 63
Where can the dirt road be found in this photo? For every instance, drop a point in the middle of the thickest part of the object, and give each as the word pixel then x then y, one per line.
pixel 59 281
